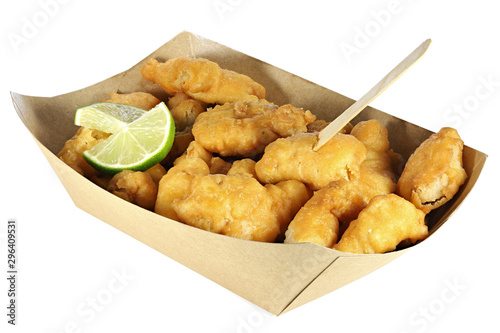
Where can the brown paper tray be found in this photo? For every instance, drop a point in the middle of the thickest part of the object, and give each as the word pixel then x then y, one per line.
pixel 276 277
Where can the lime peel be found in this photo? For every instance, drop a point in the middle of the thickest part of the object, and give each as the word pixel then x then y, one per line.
pixel 137 146
pixel 107 117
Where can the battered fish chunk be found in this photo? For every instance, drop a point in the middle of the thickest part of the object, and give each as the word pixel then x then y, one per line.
pixel 219 166
pixel 140 100
pixel 184 110
pixel 245 166
pixel 239 206
pixel 203 80
pixel 314 223
pixel 156 172
pixel 176 183
pixel 341 201
pixel 289 196
pixel 136 187
pixel 382 225
pixel 71 153
pixel 182 140
pixel 235 204
pixel 434 172
pixel 246 128
pixel 294 158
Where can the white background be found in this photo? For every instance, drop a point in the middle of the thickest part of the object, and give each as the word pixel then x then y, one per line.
pixel 67 257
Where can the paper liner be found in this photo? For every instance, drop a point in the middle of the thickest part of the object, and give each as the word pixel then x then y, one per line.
pixel 276 277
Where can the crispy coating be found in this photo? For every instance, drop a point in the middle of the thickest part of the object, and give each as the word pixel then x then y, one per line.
pixel 341 201
pixel 71 153
pixel 181 143
pixel 136 187
pixel 218 165
pixel 133 188
pixel 289 197
pixel 246 128
pixel 140 100
pixel 382 225
pixel 203 80
pixel 239 206
pixel 177 99
pixel 195 150
pixel 156 172
pixel 184 110
pixel 314 223
pixel 294 158
pixel 245 166
pixel 176 183
pixel 434 172
pixel 214 163
pixel 235 204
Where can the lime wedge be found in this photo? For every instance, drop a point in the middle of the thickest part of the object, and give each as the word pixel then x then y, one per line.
pixel 107 117
pixel 136 146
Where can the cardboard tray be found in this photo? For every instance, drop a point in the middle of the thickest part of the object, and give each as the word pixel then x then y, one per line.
pixel 276 277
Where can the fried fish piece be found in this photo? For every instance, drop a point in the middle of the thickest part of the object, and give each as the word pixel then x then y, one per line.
pixel 236 206
pixel 184 110
pixel 382 225
pixel 203 80
pixel 233 204
pixel 314 223
pixel 239 206
pixel 71 153
pixel 195 150
pixel 134 186
pixel 141 100
pixel 137 187
pixel 182 140
pixel 434 172
pixel 156 172
pixel 246 128
pixel 245 166
pixel 294 158
pixel 218 165
pixel 177 181
pixel 289 196
pixel 341 201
